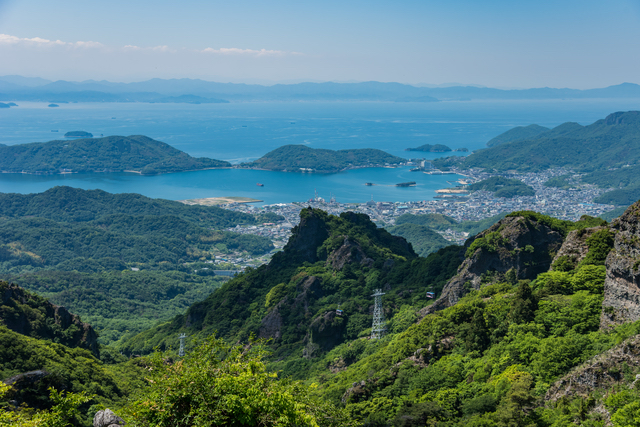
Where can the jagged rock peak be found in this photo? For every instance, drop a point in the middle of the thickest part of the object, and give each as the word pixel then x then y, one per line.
pixel 29 322
pixel 308 235
pixel 622 285
pixel 518 243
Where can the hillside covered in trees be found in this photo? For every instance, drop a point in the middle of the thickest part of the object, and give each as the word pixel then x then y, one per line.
pixel 528 327
pixel 134 153
pixel 518 307
pixel 295 158
pixel 606 152
pixel 79 247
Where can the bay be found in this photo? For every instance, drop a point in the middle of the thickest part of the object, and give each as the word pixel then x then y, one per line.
pixel 240 132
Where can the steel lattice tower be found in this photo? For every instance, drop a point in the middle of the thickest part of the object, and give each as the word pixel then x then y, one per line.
pixel 181 352
pixel 377 328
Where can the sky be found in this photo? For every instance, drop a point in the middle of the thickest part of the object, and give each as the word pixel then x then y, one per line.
pixel 506 44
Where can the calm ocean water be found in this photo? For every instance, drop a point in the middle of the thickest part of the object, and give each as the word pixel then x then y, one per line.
pixel 245 131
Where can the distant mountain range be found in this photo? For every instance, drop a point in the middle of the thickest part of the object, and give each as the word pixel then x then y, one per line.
pixel 18 88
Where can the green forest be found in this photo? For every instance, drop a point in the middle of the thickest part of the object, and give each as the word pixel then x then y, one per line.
pixel 611 142
pixel 289 342
pixel 135 153
pixel 293 158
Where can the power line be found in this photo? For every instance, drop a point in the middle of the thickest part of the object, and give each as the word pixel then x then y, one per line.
pixel 181 352
pixel 378 328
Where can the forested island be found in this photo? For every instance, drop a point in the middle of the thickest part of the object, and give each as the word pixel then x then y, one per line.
pixel 109 154
pixel 436 148
pixel 300 158
pixel 78 134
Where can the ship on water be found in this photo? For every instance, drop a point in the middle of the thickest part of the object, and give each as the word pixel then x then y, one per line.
pixel 259 185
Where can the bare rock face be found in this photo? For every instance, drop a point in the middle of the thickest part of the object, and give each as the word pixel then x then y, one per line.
pixel 307 236
pixel 622 285
pixel 106 418
pixel 514 243
pixel 349 252
pixel 271 324
pixel 575 245
pixel 601 372
pixel 308 288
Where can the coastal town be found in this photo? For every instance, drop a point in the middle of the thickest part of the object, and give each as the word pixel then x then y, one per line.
pixel 456 202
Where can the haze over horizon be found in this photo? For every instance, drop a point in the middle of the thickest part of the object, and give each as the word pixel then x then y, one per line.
pixel 566 44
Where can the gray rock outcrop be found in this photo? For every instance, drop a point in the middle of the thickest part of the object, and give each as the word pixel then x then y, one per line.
pixel 106 418
pixel 515 243
pixel 622 285
pixel 575 246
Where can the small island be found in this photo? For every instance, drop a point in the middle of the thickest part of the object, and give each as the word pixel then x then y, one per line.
pixel 462 150
pixel 436 148
pixel 138 154
pixel 52 105
pixel 300 158
pixel 78 134
pixel 3 105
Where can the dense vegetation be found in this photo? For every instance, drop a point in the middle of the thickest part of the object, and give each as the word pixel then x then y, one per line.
pixel 436 148
pixel 339 264
pixel 518 133
pixel 295 157
pixel 503 187
pixel 490 359
pixel 423 240
pixel 112 153
pixel 610 142
pixel 119 304
pixel 78 247
pixel 67 204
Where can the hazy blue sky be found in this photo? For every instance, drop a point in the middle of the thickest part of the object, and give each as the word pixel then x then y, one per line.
pixel 515 43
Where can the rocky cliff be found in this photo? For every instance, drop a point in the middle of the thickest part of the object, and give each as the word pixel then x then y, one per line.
pixel 622 286
pixel 34 316
pixel 517 243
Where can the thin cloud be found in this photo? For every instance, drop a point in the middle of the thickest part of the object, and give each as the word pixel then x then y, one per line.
pixel 9 40
pixel 250 52
pixel 6 39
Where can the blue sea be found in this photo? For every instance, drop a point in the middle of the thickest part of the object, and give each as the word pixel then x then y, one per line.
pixel 240 132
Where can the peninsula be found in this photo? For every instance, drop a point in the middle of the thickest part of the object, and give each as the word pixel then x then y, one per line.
pixel 136 153
pixel 300 158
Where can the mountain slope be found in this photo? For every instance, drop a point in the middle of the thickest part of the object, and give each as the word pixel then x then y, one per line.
pixel 610 142
pixel 295 157
pixel 518 133
pixel 112 153
pixel 329 262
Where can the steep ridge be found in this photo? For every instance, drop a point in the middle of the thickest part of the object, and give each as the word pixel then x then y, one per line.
pixel 31 315
pixel 622 286
pixel 522 245
pixel 517 243
pixel 330 262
